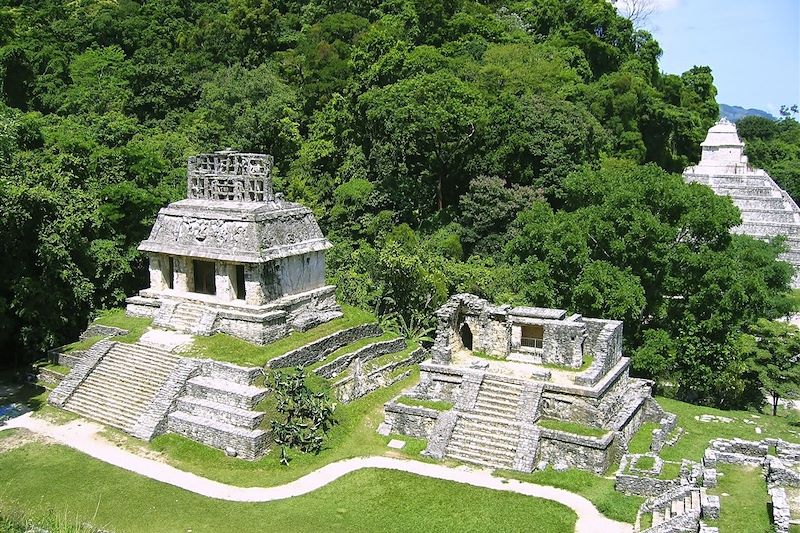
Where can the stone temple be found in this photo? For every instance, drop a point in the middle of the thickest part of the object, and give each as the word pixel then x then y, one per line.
pixel 524 385
pixel 767 210
pixel 235 257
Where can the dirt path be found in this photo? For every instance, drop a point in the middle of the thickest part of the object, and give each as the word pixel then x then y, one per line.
pixel 83 436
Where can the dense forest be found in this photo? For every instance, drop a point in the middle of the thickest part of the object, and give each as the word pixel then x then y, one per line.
pixel 774 145
pixel 523 150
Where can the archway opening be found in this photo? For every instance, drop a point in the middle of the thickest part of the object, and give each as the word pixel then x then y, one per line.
pixel 466 336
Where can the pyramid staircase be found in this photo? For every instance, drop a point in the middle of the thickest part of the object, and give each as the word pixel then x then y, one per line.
pixel 489 434
pixel 767 210
pixel 123 384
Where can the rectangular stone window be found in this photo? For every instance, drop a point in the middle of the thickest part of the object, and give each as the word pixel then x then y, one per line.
pixel 204 277
pixel 238 283
pixel 532 337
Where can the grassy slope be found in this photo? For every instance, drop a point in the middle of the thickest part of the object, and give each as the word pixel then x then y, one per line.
pixel 745 507
pixel 368 500
pixel 698 434
pixel 597 489
pixel 230 349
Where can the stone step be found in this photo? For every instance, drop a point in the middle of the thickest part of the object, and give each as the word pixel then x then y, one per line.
pixel 491 421
pixel 761 202
pixel 488 409
pixel 501 386
pixel 234 416
pixel 658 518
pixel 113 419
pixel 93 406
pixel 143 349
pixel 486 448
pixel 248 443
pixel 146 365
pixel 767 229
pixel 131 386
pixel 122 385
pixel 469 456
pixel 695 499
pixel 499 401
pixel 483 441
pixel 502 431
pixel 741 181
pixel 111 394
pixel 748 192
pixel 772 216
pixel 224 391
pixel 131 364
pixel 131 375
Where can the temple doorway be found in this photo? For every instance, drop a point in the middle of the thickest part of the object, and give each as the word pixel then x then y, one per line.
pixel 466 336
pixel 204 274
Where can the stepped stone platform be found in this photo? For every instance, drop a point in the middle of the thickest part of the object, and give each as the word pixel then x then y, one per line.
pixel 767 210
pixel 534 373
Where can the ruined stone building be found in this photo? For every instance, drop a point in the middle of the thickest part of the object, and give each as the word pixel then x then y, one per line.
pixel 235 257
pixel 767 210
pixel 526 385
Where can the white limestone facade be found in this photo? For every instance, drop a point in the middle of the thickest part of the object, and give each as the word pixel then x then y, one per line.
pixel 767 210
pixel 235 257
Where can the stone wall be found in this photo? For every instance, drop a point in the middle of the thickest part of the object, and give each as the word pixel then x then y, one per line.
pixel 153 421
pixel 244 375
pixel 99 330
pixel 665 426
pixel 410 420
pixel 781 513
pixel 371 351
pixel 257 330
pixel 318 350
pixel 360 384
pixel 93 356
pixel 595 454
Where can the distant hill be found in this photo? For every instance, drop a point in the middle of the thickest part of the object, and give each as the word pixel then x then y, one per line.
pixel 734 112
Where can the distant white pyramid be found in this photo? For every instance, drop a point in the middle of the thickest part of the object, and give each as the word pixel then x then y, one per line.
pixel 767 210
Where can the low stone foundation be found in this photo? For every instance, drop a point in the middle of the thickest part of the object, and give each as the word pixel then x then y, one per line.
pixel 595 454
pixel 410 420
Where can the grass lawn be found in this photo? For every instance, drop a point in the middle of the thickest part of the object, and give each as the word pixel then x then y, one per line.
pixel 745 509
pixel 430 404
pixel 226 348
pixel 572 427
pixel 698 434
pixel 40 479
pixel 640 443
pixel 597 489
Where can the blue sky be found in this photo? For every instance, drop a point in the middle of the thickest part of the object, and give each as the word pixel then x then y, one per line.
pixel 752 47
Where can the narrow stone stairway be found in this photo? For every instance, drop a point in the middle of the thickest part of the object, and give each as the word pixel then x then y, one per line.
pixel 489 434
pixel 122 385
pixel 678 507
